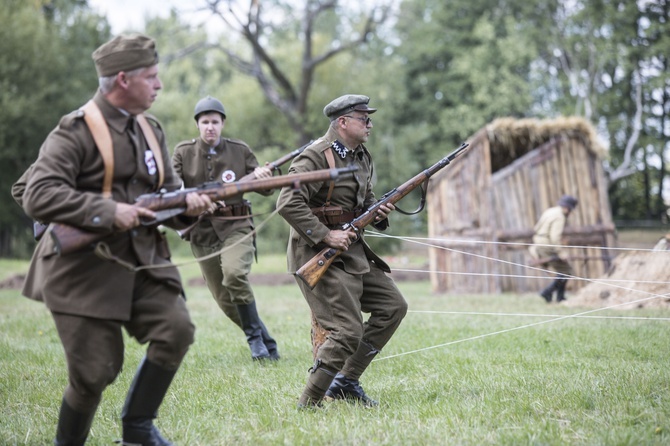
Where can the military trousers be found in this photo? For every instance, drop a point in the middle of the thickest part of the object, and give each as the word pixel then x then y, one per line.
pixel 338 301
pixel 227 275
pixel 94 348
pixel 558 265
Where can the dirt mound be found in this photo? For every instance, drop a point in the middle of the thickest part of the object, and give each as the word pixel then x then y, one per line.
pixel 14 282
pixel 634 278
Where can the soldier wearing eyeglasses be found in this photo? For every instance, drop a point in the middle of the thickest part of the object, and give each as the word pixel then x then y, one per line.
pixel 357 281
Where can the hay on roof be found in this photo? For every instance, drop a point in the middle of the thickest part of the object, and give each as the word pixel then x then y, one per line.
pixel 496 191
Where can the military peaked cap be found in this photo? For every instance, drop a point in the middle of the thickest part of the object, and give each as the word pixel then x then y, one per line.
pixel 347 103
pixel 126 52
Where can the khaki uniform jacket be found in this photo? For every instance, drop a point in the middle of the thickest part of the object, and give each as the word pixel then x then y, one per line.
pixel 195 164
pixel 549 230
pixel 65 186
pixel 350 192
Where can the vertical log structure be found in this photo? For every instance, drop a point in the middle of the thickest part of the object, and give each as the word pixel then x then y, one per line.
pixel 513 171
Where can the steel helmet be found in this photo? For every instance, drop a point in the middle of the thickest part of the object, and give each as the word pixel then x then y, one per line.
pixel 208 104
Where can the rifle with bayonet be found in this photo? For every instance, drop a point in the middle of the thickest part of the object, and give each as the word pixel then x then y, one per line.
pixel 273 165
pixel 68 239
pixel 312 271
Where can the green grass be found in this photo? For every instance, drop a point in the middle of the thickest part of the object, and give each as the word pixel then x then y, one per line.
pixel 580 381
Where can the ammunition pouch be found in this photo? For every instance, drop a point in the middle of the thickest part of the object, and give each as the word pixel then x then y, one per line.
pixel 234 210
pixel 335 215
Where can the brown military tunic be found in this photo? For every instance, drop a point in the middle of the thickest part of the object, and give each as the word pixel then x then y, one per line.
pixel 65 186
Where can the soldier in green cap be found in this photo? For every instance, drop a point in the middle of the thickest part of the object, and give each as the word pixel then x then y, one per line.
pixel 214 158
pixel 89 172
pixel 357 281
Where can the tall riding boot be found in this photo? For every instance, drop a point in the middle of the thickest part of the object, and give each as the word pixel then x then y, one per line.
pixel 346 384
pixel 73 427
pixel 560 289
pixel 252 327
pixel 548 292
pixel 318 382
pixel 146 394
pixel 269 342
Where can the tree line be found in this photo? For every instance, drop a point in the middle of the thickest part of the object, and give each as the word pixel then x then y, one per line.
pixel 438 72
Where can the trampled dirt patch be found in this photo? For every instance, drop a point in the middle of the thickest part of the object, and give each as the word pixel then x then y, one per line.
pixel 14 282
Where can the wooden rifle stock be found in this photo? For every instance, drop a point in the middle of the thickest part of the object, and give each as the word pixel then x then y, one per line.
pixel 312 271
pixel 68 239
pixel 273 165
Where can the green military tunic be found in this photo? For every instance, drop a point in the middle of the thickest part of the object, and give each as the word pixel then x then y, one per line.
pixel 356 281
pixel 226 275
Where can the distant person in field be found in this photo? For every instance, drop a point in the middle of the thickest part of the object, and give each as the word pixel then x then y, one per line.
pixel 547 246
pixel 229 225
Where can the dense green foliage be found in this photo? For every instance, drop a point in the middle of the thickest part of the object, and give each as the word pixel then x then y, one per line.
pixel 466 379
pixel 438 71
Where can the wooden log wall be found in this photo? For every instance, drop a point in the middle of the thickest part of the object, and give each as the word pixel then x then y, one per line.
pixel 481 223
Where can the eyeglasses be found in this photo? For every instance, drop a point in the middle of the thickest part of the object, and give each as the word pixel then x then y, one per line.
pixel 367 120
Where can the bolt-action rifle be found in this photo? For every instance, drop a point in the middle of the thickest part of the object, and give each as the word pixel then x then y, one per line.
pixel 68 239
pixel 312 271
pixel 273 165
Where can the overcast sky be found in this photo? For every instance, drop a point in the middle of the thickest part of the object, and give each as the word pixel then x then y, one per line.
pixel 130 15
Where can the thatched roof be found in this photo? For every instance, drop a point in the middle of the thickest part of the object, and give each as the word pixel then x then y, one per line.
pixel 512 138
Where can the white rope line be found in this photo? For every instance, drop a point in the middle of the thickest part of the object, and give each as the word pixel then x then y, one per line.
pixel 558 318
pixel 257 227
pixel 520 276
pixel 488 242
pixel 479 313
pixel 507 262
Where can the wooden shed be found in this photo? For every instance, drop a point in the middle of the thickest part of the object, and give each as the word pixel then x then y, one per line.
pixel 483 206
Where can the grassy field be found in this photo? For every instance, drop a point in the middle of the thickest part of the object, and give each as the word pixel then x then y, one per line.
pixel 457 379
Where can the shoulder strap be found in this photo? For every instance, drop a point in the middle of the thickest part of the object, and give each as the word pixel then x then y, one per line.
pixel 150 136
pixel 98 127
pixel 331 164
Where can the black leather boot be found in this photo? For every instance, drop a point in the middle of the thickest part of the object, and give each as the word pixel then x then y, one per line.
pixel 73 427
pixel 343 388
pixel 269 342
pixel 146 394
pixel 560 289
pixel 252 327
pixel 548 292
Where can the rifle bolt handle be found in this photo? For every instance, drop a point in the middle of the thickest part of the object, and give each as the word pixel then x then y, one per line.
pixel 320 262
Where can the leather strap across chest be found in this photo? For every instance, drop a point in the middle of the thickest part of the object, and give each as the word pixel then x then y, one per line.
pixel 103 140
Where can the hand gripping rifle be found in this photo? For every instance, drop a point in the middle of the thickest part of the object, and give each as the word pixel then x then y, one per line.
pixel 273 165
pixel 68 239
pixel 312 271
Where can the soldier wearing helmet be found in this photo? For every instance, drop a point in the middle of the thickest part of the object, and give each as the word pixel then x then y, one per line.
pixel 547 246
pixel 208 158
